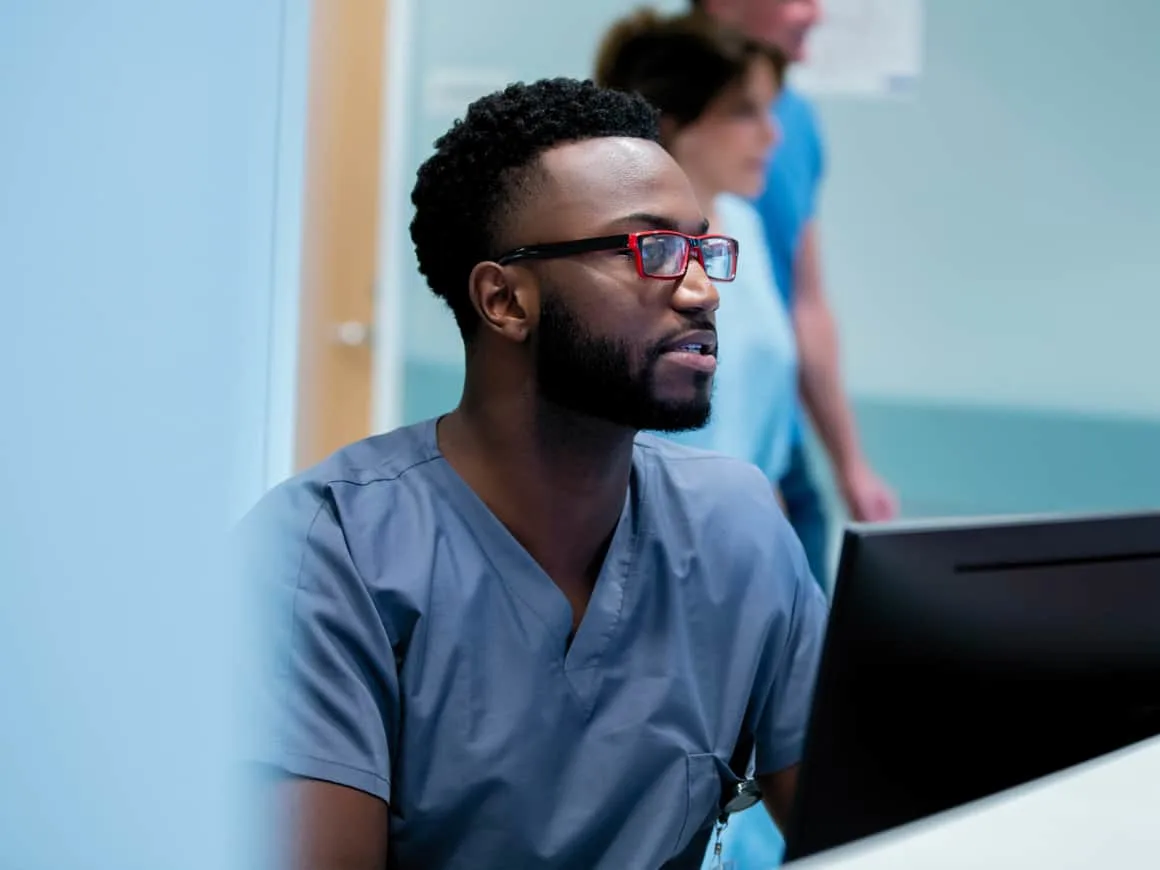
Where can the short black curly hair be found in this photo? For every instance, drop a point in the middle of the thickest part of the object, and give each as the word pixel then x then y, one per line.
pixel 472 180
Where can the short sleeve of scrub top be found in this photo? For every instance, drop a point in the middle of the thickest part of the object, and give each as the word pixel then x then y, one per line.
pixel 329 690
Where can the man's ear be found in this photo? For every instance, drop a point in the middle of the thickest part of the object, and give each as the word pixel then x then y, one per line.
pixel 506 298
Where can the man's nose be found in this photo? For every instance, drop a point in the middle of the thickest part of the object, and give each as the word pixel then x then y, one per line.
pixel 696 292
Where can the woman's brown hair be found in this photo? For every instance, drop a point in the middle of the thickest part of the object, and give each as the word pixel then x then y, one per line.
pixel 679 63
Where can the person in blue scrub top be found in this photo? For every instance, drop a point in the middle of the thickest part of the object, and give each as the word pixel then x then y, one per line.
pixel 527 633
pixel 714 89
pixel 788 206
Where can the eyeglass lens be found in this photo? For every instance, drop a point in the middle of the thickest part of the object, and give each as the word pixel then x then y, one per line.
pixel 665 256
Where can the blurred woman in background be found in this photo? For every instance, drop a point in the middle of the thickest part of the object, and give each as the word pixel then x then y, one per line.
pixel 715 90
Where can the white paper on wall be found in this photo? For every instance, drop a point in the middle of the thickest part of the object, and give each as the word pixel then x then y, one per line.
pixel 864 48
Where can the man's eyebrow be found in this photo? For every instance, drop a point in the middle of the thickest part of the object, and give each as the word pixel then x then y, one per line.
pixel 659 222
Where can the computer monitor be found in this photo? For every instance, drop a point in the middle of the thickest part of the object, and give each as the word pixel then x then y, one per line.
pixel 963 659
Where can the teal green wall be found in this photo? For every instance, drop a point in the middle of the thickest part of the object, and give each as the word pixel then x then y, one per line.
pixel 954 460
pixel 992 248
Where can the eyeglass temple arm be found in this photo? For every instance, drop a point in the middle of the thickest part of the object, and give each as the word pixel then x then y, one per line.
pixel 564 249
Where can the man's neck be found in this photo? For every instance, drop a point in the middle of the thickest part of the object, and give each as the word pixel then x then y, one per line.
pixel 557 480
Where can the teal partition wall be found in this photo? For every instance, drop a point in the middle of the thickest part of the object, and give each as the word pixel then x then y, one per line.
pixel 147 235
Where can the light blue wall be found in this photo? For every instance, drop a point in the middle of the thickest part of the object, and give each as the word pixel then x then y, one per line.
pixel 995 241
pixel 139 237
pixel 991 246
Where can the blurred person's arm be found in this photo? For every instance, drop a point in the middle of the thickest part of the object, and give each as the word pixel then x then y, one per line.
pixel 330 827
pixel 867 497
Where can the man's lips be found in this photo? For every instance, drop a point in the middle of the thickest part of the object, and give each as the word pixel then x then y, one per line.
pixel 696 350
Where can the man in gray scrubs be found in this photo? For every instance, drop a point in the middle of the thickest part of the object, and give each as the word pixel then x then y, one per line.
pixel 524 635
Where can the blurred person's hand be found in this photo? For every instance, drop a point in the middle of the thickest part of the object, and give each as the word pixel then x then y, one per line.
pixel 867 496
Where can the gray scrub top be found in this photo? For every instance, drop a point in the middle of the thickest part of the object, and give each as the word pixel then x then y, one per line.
pixel 423 657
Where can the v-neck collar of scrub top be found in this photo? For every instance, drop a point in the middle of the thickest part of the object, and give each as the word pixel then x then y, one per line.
pixel 529 584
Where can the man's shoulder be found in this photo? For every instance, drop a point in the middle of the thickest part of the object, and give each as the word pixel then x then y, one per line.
pixel 383 457
pixel 380 459
pixel 712 483
pixel 725 511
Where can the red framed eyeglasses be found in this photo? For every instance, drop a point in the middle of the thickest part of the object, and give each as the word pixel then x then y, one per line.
pixel 662 254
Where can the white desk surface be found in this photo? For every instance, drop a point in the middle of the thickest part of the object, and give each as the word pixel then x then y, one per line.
pixel 1102 815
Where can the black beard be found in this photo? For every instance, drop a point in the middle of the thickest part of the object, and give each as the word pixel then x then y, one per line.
pixel 593 376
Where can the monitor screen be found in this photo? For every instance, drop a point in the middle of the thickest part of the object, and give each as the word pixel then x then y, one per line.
pixel 967 658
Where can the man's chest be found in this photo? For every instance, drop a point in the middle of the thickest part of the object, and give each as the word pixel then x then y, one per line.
pixel 496 656
pixel 500 719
